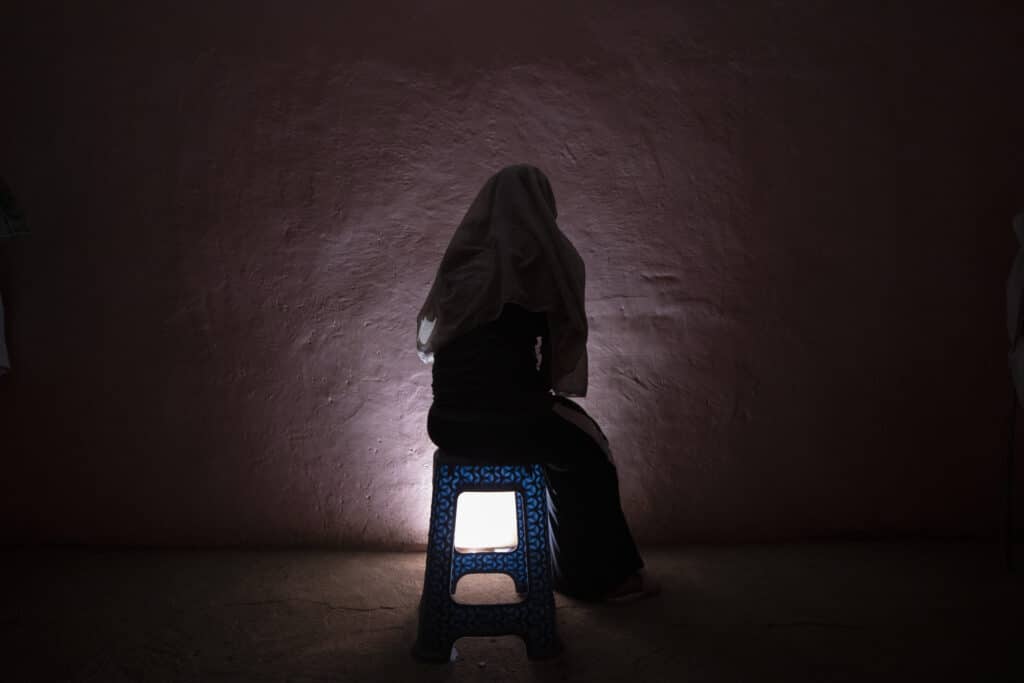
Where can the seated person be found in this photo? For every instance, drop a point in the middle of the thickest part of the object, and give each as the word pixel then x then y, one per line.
pixel 505 328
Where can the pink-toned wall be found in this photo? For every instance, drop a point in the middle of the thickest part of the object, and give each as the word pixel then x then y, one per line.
pixel 796 224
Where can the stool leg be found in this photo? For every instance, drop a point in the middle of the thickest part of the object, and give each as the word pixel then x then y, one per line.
pixel 545 645
pixel 542 635
pixel 434 639
pixel 521 574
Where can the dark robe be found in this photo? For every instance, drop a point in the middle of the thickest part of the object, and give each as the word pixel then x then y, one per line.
pixel 492 394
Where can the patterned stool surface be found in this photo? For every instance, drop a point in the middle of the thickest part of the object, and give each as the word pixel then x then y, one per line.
pixel 441 619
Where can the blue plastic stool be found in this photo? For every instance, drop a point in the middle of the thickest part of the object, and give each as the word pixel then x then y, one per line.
pixel 441 619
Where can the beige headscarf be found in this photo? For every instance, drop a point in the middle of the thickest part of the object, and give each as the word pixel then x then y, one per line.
pixel 509 249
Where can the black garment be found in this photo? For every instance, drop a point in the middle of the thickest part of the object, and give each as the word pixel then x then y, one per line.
pixel 489 393
pixel 494 368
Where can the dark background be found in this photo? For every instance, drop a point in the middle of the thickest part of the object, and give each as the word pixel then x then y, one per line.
pixel 796 223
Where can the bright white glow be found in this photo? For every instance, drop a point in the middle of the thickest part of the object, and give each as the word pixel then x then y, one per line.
pixel 423 336
pixel 426 329
pixel 485 521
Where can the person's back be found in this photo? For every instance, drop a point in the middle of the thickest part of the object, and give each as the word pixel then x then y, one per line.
pixel 497 366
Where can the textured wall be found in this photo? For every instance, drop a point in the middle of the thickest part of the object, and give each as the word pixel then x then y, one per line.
pixel 796 225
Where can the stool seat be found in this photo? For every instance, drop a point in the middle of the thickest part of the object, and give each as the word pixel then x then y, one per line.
pixel 442 620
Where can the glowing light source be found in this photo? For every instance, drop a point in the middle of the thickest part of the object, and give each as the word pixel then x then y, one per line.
pixel 485 521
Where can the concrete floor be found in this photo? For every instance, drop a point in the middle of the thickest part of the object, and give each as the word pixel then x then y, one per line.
pixel 849 612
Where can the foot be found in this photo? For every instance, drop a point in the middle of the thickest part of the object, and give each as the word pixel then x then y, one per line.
pixel 636 586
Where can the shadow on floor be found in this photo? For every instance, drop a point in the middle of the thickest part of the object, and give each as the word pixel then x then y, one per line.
pixel 830 612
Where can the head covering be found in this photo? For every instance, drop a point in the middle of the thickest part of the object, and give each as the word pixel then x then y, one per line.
pixel 509 249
